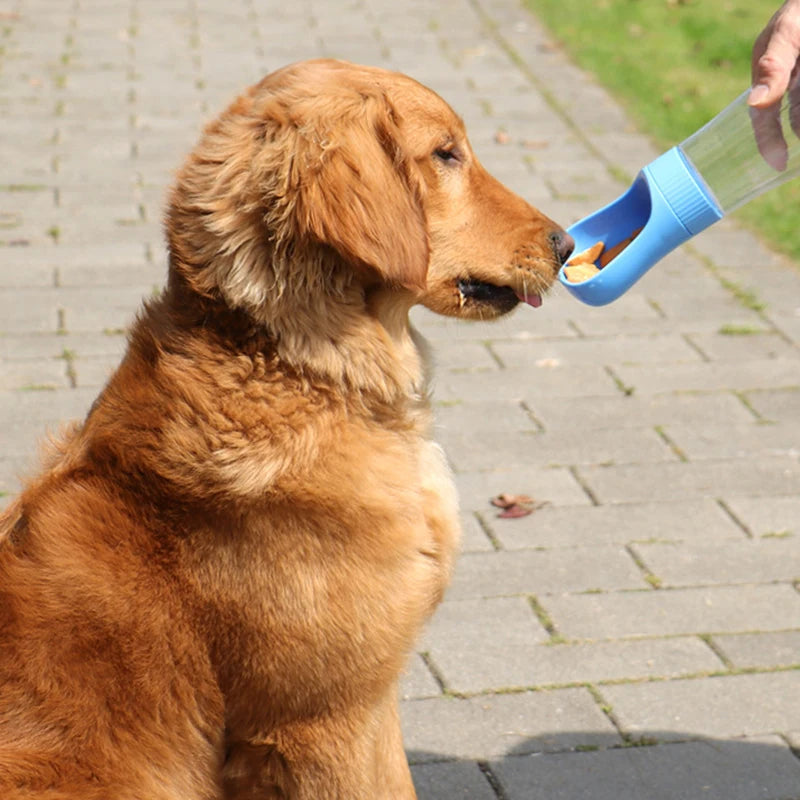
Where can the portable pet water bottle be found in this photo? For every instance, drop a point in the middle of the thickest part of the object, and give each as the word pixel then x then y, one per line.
pixel 735 157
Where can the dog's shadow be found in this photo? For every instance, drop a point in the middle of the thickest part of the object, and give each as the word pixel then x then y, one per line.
pixel 661 765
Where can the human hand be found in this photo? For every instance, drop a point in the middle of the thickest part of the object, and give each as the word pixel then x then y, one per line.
pixel 774 69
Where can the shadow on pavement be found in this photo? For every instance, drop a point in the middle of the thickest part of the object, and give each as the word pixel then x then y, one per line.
pixel 665 766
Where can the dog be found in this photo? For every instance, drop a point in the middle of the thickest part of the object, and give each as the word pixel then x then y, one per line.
pixel 212 586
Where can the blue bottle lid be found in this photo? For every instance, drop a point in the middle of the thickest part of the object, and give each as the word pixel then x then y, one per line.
pixel 669 202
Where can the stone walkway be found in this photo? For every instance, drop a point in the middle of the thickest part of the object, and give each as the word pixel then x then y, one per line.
pixel 638 636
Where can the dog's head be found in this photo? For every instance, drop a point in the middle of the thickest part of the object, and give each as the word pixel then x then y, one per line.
pixel 327 180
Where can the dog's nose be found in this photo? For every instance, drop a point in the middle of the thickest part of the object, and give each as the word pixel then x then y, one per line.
pixel 563 245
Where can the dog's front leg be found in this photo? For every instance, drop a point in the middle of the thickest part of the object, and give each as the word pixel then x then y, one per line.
pixel 356 755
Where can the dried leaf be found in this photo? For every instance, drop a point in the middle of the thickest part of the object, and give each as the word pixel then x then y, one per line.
pixel 515 511
pixel 508 500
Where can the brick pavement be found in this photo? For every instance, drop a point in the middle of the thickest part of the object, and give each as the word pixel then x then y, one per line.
pixel 653 600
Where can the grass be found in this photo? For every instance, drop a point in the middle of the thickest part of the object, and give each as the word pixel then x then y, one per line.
pixel 673 64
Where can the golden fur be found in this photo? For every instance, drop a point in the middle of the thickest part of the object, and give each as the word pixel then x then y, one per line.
pixel 213 585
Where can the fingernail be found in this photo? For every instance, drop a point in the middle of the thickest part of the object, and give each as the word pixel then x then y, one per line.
pixel 757 94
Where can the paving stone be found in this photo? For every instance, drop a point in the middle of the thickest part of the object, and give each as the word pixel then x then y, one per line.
pixel 556 486
pixel 767 516
pixel 23 346
pixel 455 780
pixel 102 309
pixel 515 572
pixel 694 520
pixel 669 349
pixel 520 325
pixel 417 681
pixel 564 382
pixel 467 417
pixel 45 406
pixel 728 441
pixel 771 373
pixel 28 310
pixel 727 706
pixel 778 404
pixel 759 768
pixel 720 609
pixel 493 725
pixel 692 564
pixel 474 653
pixel 761 650
pixel 634 411
pixel 755 476
pixel 486 449
pixel 34 374
pixel 473 535
pixel 94 371
pixel 743 343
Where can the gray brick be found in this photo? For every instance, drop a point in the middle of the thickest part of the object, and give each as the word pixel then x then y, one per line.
pixel 466 418
pixel 737 705
pixel 28 310
pixel 775 373
pixel 694 520
pixel 748 345
pixel 523 325
pixel 660 349
pixel 544 571
pixel 33 374
pixel 494 725
pixel 476 654
pixel 778 404
pixel 744 769
pixel 718 441
pixel 94 371
pixel 634 411
pixel 22 347
pixel 762 650
pixel 473 535
pixel 767 516
pixel 675 481
pixel 45 407
pixel 417 681
pixel 456 780
pixel 564 382
pixel 101 309
pixel 690 564
pixel 556 486
pixel 672 612
pixel 486 449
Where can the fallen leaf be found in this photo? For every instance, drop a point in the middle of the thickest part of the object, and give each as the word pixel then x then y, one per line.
pixel 508 500
pixel 514 512
pixel 515 505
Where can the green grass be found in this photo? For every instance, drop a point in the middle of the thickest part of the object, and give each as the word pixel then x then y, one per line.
pixel 673 64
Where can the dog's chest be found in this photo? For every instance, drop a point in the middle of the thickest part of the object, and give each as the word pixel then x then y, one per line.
pixel 322 595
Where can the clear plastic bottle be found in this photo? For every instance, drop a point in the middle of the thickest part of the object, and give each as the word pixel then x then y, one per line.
pixel 743 151
pixel 740 154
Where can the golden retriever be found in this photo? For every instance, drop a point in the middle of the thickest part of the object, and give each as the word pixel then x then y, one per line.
pixel 212 587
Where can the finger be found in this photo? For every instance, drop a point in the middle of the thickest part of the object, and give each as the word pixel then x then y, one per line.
pixel 774 56
pixel 769 136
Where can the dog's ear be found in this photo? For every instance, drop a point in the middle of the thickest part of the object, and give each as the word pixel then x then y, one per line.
pixel 360 193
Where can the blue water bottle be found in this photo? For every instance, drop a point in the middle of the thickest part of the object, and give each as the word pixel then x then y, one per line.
pixel 735 157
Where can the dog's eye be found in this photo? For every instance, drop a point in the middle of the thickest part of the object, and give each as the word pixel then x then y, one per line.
pixel 445 154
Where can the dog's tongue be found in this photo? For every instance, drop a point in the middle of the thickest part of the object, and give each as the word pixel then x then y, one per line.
pixel 534 300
